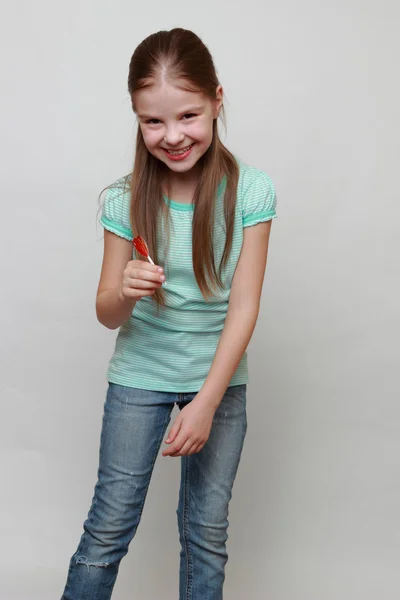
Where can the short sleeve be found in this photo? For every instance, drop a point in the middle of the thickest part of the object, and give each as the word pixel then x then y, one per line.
pixel 259 202
pixel 115 216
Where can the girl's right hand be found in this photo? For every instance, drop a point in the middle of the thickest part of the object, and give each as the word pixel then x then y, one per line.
pixel 140 278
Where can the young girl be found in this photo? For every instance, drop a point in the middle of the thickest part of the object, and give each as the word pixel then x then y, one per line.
pixel 185 322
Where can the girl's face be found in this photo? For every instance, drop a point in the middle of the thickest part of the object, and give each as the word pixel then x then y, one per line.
pixel 177 125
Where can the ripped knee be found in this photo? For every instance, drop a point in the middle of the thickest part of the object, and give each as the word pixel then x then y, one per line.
pixel 83 560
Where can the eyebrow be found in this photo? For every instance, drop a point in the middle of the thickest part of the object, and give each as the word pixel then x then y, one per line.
pixel 183 112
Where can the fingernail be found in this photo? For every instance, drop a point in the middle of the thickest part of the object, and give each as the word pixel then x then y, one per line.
pixel 160 269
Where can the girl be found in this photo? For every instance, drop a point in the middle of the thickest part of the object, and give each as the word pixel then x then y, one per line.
pixel 185 321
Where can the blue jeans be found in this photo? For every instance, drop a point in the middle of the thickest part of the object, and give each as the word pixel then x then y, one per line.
pixel 134 426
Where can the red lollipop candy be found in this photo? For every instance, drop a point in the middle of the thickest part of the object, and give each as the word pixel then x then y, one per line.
pixel 142 248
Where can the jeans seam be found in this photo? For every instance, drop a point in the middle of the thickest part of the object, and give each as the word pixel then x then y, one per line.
pixel 185 529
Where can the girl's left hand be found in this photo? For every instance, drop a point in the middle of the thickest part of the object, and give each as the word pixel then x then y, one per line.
pixel 190 430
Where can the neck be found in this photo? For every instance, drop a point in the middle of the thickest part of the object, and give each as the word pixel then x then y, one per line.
pixel 177 183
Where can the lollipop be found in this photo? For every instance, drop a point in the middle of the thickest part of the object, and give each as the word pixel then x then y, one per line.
pixel 142 248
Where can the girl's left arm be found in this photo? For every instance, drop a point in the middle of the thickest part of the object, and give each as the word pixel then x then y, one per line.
pixel 241 318
pixel 192 426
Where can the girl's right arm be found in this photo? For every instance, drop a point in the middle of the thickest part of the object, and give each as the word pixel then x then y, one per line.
pixel 123 281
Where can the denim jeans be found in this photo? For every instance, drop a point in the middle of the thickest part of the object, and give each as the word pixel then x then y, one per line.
pixel 134 425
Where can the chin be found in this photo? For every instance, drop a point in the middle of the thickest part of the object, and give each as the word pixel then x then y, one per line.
pixel 181 167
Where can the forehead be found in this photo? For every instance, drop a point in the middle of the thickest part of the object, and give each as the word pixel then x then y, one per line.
pixel 166 98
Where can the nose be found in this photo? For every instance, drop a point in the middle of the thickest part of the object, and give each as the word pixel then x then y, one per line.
pixel 173 136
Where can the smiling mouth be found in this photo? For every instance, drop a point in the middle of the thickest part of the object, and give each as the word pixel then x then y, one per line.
pixel 178 152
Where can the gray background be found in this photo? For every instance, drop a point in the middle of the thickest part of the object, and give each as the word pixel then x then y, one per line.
pixel 313 99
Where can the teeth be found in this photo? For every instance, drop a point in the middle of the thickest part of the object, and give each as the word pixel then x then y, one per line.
pixel 178 152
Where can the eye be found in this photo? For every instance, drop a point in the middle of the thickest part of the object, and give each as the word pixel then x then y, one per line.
pixel 153 121
pixel 188 116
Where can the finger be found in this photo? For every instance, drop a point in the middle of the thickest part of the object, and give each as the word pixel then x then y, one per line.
pixel 144 275
pixel 187 449
pixel 141 284
pixel 146 266
pixel 132 293
pixel 177 444
pixel 198 448
pixel 174 430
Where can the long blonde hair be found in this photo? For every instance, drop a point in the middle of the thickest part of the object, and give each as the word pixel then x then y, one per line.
pixel 185 57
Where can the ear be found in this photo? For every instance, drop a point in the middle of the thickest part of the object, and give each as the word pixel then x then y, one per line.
pixel 219 98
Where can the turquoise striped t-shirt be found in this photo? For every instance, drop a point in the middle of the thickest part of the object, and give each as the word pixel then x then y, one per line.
pixel 172 350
